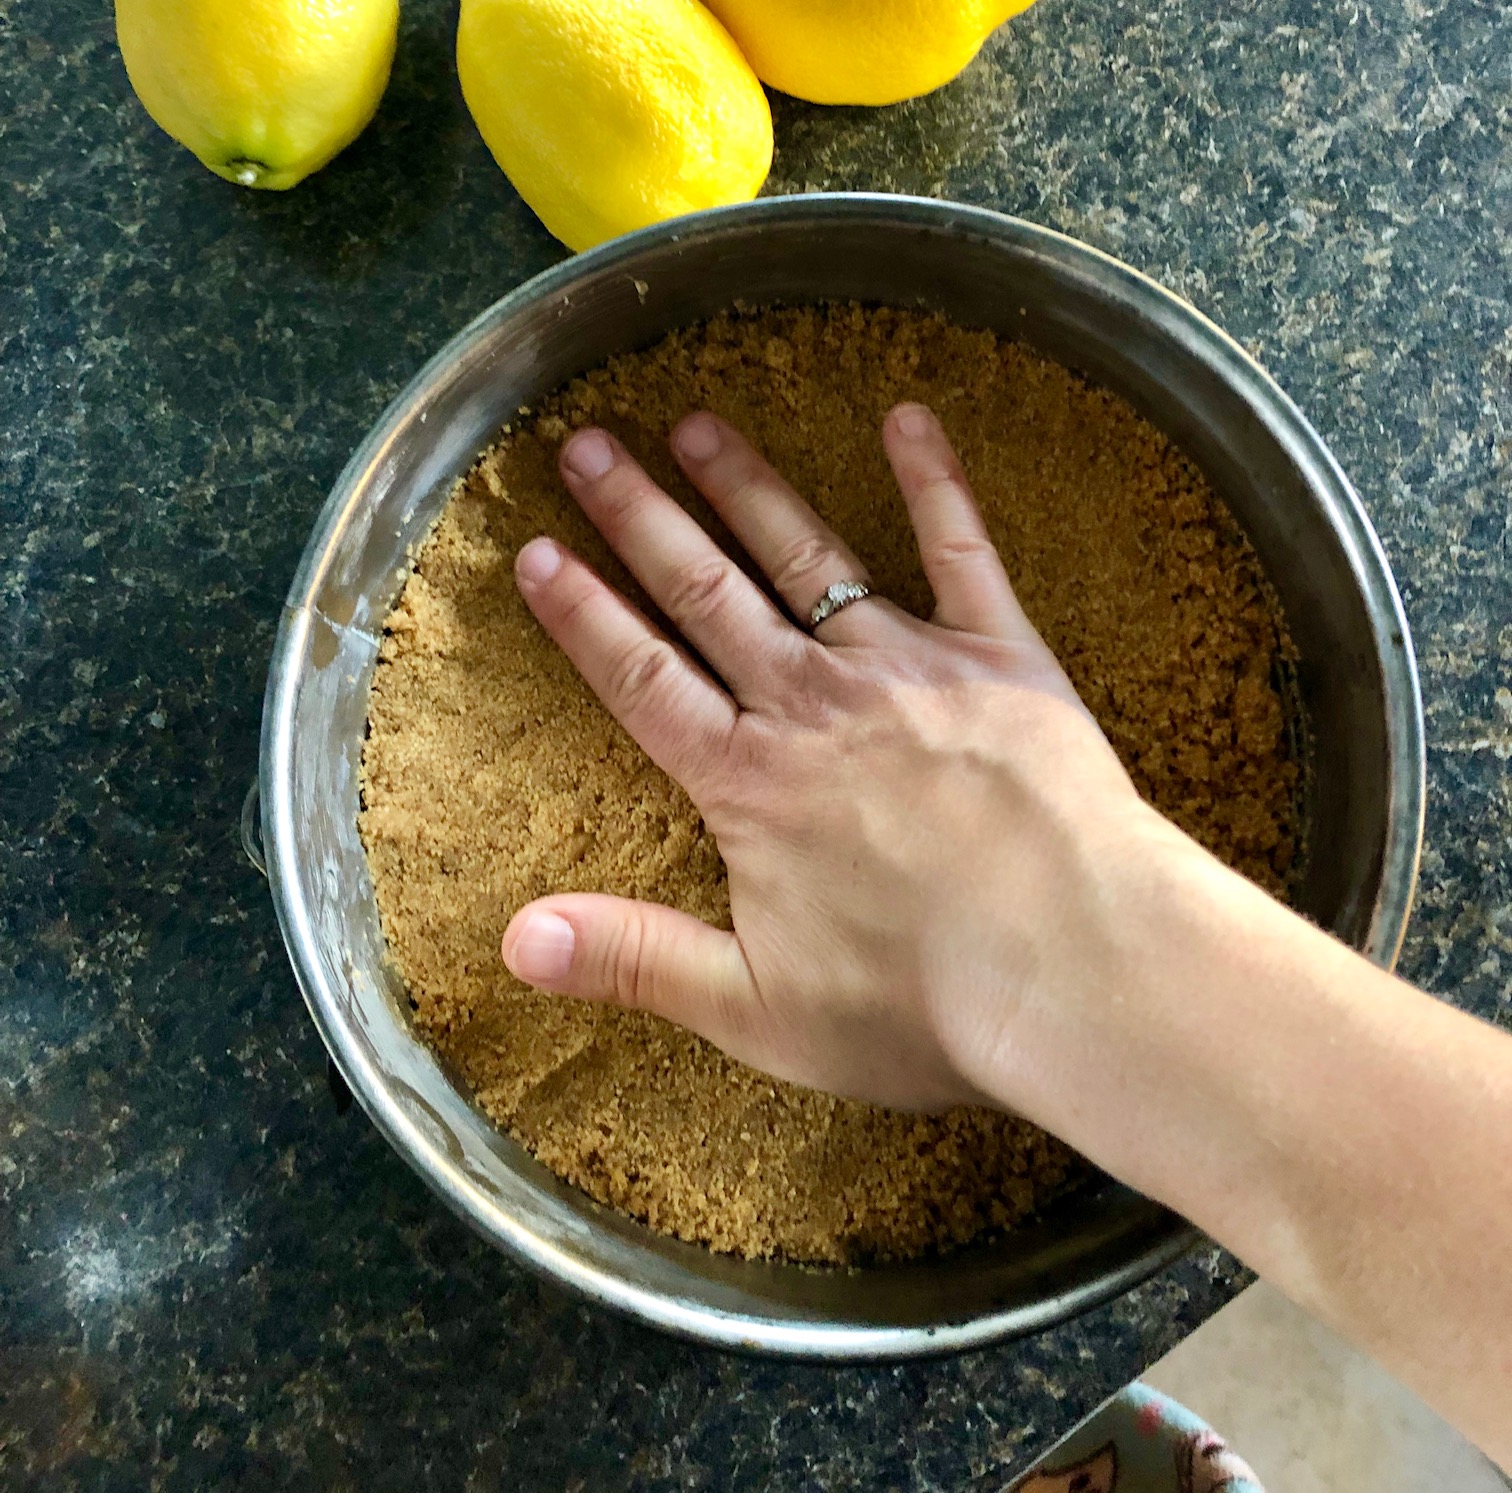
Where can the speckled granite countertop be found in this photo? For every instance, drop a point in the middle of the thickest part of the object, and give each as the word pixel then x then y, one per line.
pixel 207 1278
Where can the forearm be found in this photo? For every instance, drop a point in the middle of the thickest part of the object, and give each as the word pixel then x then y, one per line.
pixel 908 813
pixel 1347 1136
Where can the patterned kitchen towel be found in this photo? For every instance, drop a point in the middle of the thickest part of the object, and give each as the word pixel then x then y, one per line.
pixel 1140 1442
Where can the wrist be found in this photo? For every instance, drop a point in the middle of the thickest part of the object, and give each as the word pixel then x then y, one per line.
pixel 1044 948
pixel 1114 1030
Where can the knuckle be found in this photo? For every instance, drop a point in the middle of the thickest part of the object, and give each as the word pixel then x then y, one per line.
pixel 640 670
pixel 744 484
pixel 699 591
pixel 944 481
pixel 801 561
pixel 573 602
pixel 959 551
pixel 629 964
pixel 943 493
pixel 620 494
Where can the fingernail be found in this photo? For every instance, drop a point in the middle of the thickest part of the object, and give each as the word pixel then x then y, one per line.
pixel 538 562
pixel 698 438
pixel 541 953
pixel 913 420
pixel 589 455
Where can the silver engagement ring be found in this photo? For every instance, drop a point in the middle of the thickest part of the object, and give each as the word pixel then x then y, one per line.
pixel 836 599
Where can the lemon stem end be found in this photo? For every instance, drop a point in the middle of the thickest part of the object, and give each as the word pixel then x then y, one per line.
pixel 246 172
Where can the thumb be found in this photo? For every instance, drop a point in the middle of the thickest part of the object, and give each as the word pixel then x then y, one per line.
pixel 637 955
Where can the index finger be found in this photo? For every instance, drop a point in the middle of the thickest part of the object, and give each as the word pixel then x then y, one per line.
pixel 680 716
pixel 700 589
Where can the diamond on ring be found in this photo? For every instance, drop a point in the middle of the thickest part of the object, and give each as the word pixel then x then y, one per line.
pixel 836 599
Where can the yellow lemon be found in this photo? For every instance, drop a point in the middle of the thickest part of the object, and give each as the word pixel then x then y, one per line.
pixel 263 91
pixel 608 115
pixel 861 51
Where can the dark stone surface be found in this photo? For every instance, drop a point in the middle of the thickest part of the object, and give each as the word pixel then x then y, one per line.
pixel 206 1277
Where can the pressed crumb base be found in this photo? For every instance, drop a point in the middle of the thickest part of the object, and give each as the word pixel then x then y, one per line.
pixel 492 776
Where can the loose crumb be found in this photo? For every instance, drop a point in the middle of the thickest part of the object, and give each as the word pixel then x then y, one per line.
pixel 492 775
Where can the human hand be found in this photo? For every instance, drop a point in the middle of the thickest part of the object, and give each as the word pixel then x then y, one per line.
pixel 917 817
pixel 944 889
